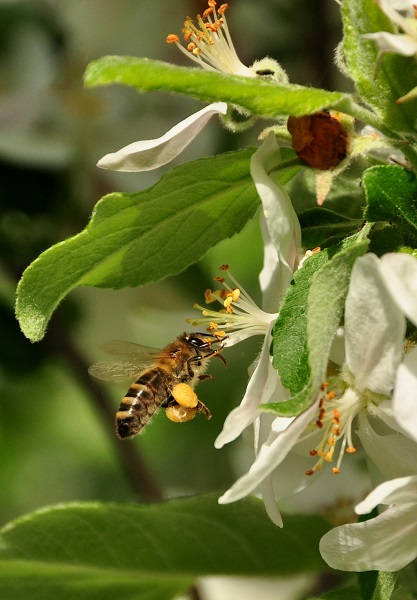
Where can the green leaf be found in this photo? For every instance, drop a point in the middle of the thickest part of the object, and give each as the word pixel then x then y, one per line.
pixel 379 83
pixel 133 239
pixel 309 323
pixel 323 227
pixel 326 303
pixel 391 195
pixel 290 353
pixel 346 593
pixel 259 96
pixel 108 551
pixel 295 405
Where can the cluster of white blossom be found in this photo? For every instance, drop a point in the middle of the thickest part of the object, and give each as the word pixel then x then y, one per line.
pixel 373 407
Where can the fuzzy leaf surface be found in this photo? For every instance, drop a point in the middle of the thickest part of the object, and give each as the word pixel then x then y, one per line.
pixel 290 356
pixel 391 195
pixel 259 96
pixel 133 239
pixel 317 310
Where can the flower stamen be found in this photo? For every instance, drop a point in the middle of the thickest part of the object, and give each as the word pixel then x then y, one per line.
pixel 208 42
pixel 334 420
pixel 240 316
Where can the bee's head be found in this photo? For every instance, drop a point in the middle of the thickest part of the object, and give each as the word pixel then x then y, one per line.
pixel 198 340
pixel 201 341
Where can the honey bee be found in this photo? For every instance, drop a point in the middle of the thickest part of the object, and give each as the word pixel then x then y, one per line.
pixel 163 378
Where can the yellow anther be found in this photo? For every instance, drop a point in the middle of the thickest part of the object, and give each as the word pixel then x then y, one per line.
pixel 209 297
pixel 328 457
pixel 235 295
pixel 220 334
pixel 228 301
pixel 172 38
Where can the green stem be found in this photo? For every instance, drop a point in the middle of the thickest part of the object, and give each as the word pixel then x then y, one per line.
pixel 364 232
pixel 366 116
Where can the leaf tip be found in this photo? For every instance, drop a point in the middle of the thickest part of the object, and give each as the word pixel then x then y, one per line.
pixel 32 321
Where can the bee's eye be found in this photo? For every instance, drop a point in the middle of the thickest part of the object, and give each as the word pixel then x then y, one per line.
pixel 195 341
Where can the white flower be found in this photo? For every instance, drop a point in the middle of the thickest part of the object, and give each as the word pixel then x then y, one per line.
pixel 400 43
pixel 374 334
pixel 240 318
pixel 400 274
pixel 387 542
pixel 210 45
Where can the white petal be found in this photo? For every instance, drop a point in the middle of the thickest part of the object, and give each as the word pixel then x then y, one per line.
pixel 386 543
pixel 405 395
pixel 394 455
pixel 390 7
pixel 401 490
pixel 271 454
pixel 146 155
pixel 260 388
pixel 280 218
pixel 269 280
pixel 374 328
pixel 271 506
pixel 223 587
pixel 400 275
pixel 390 42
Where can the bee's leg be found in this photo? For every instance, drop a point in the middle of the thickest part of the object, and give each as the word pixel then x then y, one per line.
pixel 199 358
pixel 170 401
pixel 203 408
pixel 183 403
pixel 202 377
pixel 194 359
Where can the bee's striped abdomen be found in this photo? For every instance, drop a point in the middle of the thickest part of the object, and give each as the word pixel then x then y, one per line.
pixel 141 401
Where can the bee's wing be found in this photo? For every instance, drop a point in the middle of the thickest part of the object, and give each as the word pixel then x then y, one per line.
pixel 119 371
pixel 129 349
pixel 134 358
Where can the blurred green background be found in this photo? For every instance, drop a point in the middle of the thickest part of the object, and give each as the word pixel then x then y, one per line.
pixel 57 440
